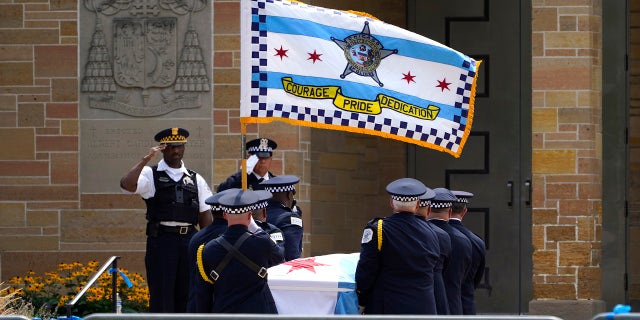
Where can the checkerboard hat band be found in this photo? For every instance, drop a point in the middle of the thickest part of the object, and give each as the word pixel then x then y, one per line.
pixel 425 203
pixel 261 205
pixel 279 188
pixel 238 210
pixel 404 198
pixel 440 204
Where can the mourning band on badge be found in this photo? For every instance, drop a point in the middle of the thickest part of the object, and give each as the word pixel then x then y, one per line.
pixel 367 235
pixel 296 221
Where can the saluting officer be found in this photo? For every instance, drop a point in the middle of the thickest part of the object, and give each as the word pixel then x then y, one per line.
pixel 258 165
pixel 175 199
pixel 471 282
pixel 280 213
pixel 459 262
pixel 397 256
pixel 444 244
pixel 233 267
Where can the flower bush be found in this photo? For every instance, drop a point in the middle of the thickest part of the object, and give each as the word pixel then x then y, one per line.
pixel 54 289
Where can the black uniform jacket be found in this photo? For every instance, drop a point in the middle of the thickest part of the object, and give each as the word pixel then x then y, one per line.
pixel 398 278
pixel 238 289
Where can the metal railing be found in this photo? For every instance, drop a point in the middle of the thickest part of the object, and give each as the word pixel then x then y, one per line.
pixel 113 262
pixel 186 316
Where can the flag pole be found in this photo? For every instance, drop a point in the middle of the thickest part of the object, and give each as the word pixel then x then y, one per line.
pixel 243 173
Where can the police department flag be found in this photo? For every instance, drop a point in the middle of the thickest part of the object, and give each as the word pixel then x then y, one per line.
pixel 332 69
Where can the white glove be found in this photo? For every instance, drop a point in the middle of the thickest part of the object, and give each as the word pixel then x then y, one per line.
pixel 253 226
pixel 251 162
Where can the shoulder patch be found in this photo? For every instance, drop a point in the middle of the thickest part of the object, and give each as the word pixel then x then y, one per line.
pixel 277 236
pixel 367 235
pixel 297 221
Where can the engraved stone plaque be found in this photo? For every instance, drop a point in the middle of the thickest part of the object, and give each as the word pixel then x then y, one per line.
pixel 145 65
pixel 108 149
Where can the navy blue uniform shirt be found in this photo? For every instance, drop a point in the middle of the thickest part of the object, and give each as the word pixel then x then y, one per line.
pixel 238 288
pixel 291 225
pixel 457 266
pixel 476 271
pixel 274 233
pixel 444 242
pixel 206 234
pixel 398 279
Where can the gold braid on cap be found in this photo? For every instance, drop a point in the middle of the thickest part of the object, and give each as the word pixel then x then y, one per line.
pixel 200 265
pixel 173 139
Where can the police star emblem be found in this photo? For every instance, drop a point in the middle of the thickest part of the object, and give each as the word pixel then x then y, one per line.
pixel 363 53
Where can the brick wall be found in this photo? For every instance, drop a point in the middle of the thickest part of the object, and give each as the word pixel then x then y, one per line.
pixel 566 163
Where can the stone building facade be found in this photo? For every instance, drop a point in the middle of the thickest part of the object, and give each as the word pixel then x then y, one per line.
pixel 47 216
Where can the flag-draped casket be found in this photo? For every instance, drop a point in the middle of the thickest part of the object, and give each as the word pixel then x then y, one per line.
pixel 316 285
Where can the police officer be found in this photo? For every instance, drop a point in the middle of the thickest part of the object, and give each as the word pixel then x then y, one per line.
pixel 233 267
pixel 206 234
pixel 281 214
pixel 261 151
pixel 175 199
pixel 397 257
pixel 471 282
pixel 444 244
pixel 459 262
pixel 259 215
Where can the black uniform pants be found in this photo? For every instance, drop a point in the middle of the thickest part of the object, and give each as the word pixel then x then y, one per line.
pixel 167 267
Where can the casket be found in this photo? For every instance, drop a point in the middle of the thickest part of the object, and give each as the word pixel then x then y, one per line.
pixel 316 285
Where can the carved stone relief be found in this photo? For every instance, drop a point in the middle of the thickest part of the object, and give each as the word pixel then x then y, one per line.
pixel 144 57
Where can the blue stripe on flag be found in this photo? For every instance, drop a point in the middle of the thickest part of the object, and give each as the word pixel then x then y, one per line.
pixel 405 47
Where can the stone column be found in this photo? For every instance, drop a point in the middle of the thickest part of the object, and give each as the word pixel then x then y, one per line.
pixel 567 158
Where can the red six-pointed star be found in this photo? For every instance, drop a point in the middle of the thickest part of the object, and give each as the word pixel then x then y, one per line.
pixel 443 84
pixel 281 52
pixel 408 77
pixel 308 264
pixel 314 56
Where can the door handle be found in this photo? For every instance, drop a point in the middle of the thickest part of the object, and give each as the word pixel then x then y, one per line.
pixel 510 187
pixel 527 184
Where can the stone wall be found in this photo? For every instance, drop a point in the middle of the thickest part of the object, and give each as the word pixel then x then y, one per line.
pixel 567 155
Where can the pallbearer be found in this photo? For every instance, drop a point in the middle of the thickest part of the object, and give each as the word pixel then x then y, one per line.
pixel 397 257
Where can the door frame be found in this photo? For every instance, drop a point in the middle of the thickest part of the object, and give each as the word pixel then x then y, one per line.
pixel 523 190
pixel 615 164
